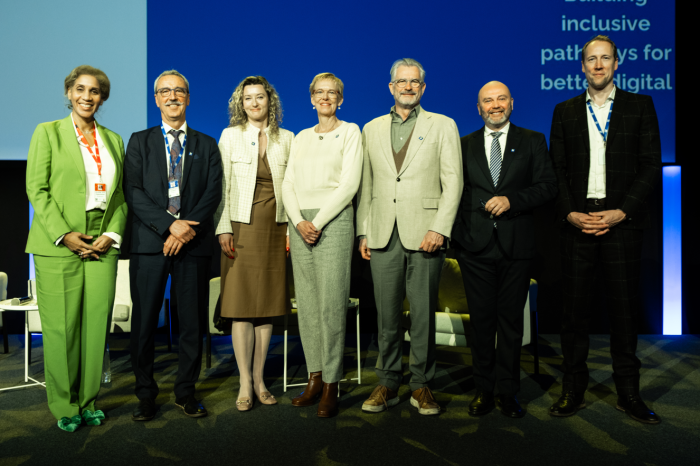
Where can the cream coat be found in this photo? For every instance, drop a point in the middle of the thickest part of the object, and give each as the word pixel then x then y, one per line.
pixel 423 196
pixel 239 157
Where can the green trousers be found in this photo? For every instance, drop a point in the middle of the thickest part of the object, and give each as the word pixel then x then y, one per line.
pixel 75 298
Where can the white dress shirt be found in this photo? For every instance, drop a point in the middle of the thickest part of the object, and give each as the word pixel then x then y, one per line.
pixel 488 140
pixel 170 137
pixel 92 177
pixel 596 171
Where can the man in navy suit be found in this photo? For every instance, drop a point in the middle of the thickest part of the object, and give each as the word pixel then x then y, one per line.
pixel 507 174
pixel 172 184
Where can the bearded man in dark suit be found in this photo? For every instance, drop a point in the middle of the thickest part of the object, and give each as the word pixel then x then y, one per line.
pixel 507 174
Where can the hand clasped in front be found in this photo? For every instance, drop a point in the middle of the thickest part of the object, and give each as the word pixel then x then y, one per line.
pixel 308 232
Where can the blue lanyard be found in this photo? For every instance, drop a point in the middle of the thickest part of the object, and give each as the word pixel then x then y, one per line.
pixel 607 123
pixel 167 145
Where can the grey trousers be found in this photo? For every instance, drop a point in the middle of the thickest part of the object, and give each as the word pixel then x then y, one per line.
pixel 322 283
pixel 398 272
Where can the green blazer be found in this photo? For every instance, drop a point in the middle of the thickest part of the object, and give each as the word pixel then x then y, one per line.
pixel 56 187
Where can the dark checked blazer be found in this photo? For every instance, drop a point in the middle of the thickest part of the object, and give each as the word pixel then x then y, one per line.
pixel 527 180
pixel 632 156
pixel 146 190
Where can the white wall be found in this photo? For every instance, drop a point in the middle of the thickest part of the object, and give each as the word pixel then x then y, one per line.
pixel 41 41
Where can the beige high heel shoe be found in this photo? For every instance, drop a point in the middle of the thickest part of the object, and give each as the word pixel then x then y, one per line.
pixel 244 404
pixel 266 398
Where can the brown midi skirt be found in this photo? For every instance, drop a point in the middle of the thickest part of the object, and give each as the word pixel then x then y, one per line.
pixel 254 283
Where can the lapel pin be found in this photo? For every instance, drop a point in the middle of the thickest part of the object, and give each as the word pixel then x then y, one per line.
pixel 420 138
pixel 252 143
pixel 512 150
pixel 337 135
pixel 190 153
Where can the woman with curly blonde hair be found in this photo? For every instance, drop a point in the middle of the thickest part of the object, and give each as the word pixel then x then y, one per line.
pixel 252 229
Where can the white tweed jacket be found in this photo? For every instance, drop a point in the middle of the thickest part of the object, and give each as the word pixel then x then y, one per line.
pixel 239 157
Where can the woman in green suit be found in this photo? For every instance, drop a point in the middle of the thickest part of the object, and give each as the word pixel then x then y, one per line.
pixel 74 182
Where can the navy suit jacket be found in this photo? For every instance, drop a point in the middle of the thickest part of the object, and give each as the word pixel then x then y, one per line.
pixel 146 190
pixel 527 179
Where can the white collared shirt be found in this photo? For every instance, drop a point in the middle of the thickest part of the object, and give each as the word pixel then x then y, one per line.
pixel 596 171
pixel 92 177
pixel 170 137
pixel 488 140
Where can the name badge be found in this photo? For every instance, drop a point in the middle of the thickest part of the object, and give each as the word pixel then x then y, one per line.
pixel 601 156
pixel 174 189
pixel 100 193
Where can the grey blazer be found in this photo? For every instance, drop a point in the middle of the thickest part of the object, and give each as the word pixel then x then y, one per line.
pixel 423 196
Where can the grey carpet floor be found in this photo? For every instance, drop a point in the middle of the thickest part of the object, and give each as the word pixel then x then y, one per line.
pixel 283 434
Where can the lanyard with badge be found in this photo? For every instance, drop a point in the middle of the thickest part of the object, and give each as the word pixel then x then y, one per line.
pixel 100 192
pixel 604 134
pixel 174 185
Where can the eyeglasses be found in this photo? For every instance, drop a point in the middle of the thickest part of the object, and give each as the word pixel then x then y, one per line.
pixel 401 83
pixel 332 95
pixel 165 91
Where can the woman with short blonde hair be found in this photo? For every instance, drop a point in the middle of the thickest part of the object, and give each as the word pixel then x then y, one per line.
pixel 322 177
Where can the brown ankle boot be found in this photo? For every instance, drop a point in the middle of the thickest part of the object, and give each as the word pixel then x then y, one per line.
pixel 312 391
pixel 328 407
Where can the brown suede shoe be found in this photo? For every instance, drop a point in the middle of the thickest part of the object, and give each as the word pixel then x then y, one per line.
pixel 328 407
pixel 381 399
pixel 424 401
pixel 312 391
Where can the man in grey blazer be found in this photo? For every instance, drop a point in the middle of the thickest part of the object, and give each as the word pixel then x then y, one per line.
pixel 408 199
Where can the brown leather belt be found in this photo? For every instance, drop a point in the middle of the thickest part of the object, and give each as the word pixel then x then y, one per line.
pixel 596 201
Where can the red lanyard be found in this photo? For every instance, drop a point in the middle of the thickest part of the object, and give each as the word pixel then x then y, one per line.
pixel 96 154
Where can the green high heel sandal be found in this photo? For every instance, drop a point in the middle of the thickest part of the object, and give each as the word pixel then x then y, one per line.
pixel 93 418
pixel 70 424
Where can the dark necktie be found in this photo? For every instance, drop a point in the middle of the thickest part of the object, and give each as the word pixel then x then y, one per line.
pixel 496 158
pixel 495 161
pixel 176 173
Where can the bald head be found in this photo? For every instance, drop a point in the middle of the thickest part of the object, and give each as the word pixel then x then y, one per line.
pixel 495 104
pixel 494 87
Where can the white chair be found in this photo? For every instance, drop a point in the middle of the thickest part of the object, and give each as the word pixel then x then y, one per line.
pixel 353 303
pixel 121 312
pixel 452 315
pixel 3 296
pixel 215 291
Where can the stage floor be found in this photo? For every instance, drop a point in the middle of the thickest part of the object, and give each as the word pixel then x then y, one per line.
pixel 284 434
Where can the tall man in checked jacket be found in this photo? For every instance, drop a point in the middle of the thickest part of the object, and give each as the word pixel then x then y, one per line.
pixel 605 173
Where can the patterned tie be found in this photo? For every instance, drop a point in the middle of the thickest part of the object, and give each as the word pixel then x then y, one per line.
pixel 496 159
pixel 176 174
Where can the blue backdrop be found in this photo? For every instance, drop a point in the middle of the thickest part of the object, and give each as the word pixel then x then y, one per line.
pixel 533 47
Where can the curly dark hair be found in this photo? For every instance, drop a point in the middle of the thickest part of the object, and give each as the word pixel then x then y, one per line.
pixel 237 114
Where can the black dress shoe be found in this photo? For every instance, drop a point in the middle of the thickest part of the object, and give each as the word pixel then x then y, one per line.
pixel 483 403
pixel 567 405
pixel 510 406
pixel 636 409
pixel 191 407
pixel 145 411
